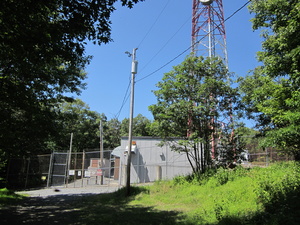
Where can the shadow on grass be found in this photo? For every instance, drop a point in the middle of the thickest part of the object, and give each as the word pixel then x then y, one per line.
pixel 111 208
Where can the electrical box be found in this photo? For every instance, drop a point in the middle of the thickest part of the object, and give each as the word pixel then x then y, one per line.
pixel 134 67
pixel 133 149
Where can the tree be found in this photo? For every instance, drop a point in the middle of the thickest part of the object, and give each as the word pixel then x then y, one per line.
pixel 190 100
pixel 42 57
pixel 274 94
pixel 77 118
pixel 112 133
pixel 251 138
pixel 141 126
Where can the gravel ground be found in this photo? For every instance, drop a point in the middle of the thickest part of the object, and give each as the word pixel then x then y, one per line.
pixel 93 189
pixel 74 188
pixel 55 205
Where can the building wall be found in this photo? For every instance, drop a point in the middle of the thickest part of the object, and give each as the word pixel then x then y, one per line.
pixel 151 162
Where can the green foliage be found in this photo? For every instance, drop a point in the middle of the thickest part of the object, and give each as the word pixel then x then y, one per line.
pixel 190 99
pixel 77 118
pixel 271 94
pixel 42 57
pixel 112 133
pixel 281 44
pixel 8 196
pixel 141 126
pixel 250 138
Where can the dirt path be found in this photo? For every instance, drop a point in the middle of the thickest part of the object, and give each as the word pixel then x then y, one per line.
pixel 50 206
pixel 92 189
pixel 84 206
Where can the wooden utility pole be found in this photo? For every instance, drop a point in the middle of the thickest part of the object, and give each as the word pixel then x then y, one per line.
pixel 69 160
pixel 101 152
pixel 133 72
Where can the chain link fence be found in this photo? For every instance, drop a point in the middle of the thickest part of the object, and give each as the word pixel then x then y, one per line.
pixel 81 169
pixel 26 172
pixel 267 157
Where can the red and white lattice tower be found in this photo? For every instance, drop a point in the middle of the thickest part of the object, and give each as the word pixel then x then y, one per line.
pixel 209 37
pixel 208 29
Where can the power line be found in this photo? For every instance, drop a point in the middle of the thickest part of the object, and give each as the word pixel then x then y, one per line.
pixel 154 23
pixel 229 17
pixel 126 96
pixel 155 71
pixel 166 43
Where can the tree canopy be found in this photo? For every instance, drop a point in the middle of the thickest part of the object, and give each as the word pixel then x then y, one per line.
pixel 191 101
pixel 42 57
pixel 272 92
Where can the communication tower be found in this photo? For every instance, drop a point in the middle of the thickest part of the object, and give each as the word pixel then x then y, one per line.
pixel 208 29
pixel 209 39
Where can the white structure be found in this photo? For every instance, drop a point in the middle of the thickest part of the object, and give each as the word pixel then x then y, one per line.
pixel 149 162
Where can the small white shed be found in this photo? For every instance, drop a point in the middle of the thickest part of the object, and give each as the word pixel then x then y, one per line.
pixel 149 162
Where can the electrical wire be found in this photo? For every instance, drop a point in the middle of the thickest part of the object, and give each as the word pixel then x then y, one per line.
pixel 229 17
pixel 125 99
pixel 153 23
pixel 126 96
pixel 166 43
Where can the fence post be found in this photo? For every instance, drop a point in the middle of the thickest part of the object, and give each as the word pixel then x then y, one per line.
pixel 8 170
pixel 50 169
pixel 27 171
pixel 267 158
pixel 124 169
pixel 82 167
pixel 158 172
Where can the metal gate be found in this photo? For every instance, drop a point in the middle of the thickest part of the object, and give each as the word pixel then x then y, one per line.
pixel 81 169
pixel 57 169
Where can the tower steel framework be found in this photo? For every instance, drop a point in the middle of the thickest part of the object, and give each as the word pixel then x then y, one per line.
pixel 208 29
pixel 209 38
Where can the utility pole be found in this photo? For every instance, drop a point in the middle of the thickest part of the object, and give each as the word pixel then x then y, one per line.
pixel 133 72
pixel 101 151
pixel 69 160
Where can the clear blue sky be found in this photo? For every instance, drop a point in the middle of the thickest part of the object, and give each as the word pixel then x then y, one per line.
pixel 109 71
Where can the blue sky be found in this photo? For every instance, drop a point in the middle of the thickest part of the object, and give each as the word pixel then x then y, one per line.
pixel 161 30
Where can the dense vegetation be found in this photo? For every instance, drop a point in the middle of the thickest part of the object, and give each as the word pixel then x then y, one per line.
pixel 240 196
pixel 271 92
pixel 195 102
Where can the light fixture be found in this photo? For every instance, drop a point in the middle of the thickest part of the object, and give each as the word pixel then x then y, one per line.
pixel 206 2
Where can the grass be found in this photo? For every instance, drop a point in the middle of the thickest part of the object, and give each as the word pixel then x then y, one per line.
pixel 240 196
pixel 7 197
